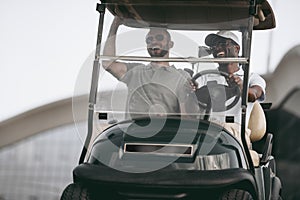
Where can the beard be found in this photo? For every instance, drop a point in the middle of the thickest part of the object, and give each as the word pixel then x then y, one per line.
pixel 227 53
pixel 157 52
pixel 223 67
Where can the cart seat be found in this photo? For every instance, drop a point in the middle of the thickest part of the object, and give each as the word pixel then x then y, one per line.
pixel 257 123
pixel 257 126
pixel 234 129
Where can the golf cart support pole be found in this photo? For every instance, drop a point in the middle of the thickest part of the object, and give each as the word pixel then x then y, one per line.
pixel 246 41
pixel 94 83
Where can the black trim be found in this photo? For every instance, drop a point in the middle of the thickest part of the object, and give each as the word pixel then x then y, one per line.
pixel 95 175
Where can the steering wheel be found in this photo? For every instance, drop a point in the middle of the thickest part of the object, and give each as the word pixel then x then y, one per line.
pixel 213 95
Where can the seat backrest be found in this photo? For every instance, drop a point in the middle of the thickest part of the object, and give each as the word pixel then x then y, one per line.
pixel 257 122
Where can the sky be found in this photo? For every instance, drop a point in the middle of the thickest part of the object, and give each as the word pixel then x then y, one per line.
pixel 44 45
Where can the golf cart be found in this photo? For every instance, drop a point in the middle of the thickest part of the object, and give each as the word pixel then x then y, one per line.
pixel 159 154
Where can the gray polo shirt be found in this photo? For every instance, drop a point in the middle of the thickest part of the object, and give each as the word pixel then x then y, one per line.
pixel 157 89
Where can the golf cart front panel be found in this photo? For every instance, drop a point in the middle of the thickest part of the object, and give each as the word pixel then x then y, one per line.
pixel 132 147
pixel 149 169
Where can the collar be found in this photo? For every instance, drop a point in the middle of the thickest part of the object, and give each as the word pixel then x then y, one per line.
pixel 155 66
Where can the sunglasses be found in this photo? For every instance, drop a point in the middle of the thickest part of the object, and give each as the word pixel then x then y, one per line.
pixel 158 37
pixel 223 44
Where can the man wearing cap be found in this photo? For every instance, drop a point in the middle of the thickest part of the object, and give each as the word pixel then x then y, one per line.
pixel 226 44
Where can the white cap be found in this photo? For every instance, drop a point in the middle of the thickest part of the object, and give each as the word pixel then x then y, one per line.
pixel 209 40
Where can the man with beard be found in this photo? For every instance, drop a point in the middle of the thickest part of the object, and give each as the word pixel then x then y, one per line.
pixel 158 87
pixel 226 44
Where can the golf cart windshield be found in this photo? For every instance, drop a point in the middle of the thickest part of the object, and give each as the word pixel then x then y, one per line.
pixel 147 88
pixel 143 87
pixel 187 83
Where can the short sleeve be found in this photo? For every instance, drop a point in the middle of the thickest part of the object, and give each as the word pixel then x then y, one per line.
pixel 130 72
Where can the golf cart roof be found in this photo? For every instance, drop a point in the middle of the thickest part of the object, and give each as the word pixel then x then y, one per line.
pixel 193 14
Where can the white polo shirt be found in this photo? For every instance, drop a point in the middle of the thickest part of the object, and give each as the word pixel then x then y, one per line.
pixel 254 79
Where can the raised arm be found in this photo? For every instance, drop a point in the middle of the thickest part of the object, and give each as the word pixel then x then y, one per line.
pixel 117 69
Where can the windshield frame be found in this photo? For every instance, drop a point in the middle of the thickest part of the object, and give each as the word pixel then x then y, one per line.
pixel 246 46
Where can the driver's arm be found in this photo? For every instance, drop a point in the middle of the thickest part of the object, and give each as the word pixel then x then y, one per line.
pixel 254 93
pixel 257 87
pixel 117 69
pixel 255 90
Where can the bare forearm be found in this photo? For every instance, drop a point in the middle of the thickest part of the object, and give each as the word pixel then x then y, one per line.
pixel 117 69
pixel 110 45
pixel 254 93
